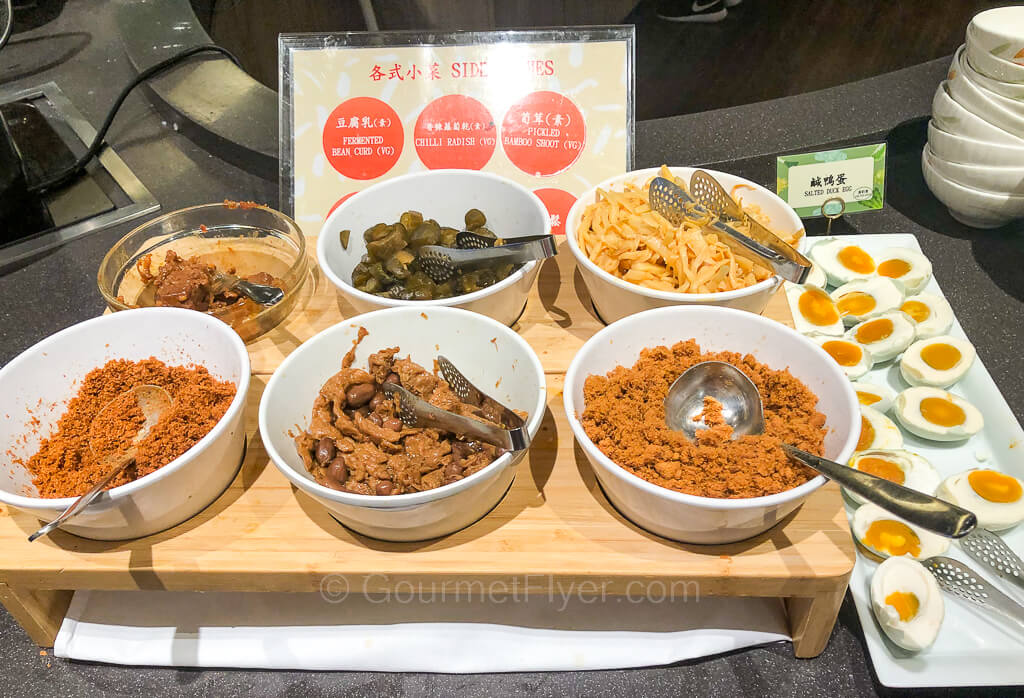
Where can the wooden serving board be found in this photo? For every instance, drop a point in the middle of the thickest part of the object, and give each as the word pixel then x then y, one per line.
pixel 553 529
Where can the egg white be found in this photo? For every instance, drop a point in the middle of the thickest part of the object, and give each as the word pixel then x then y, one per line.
pixel 940 317
pixel 884 393
pixel 904 575
pixel 918 473
pixel 916 371
pixel 907 409
pixel 919 274
pixel 932 544
pixel 826 255
pixel 816 277
pixel 902 336
pixel 995 516
pixel 887 434
pixel 888 295
pixel 852 372
pixel 803 324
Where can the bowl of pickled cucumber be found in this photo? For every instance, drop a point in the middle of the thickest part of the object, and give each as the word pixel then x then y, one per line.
pixel 369 247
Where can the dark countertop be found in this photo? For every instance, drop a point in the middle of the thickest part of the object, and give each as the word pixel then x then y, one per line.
pixel 979 271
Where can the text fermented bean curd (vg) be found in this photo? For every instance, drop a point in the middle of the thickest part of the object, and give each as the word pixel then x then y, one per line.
pixel 391 266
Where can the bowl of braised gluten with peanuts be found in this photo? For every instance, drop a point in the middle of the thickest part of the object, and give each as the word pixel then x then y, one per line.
pixel 58 438
pixel 715 489
pixel 332 428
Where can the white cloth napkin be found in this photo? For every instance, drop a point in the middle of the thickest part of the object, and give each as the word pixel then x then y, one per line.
pixel 378 633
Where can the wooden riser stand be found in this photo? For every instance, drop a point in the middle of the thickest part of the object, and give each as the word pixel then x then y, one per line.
pixel 554 529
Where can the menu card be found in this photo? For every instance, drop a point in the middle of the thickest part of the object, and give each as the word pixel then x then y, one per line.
pixel 550 109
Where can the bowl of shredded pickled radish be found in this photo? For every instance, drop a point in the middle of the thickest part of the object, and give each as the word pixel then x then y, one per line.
pixel 632 259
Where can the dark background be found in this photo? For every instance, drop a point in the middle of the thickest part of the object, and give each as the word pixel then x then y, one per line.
pixel 76 44
pixel 764 49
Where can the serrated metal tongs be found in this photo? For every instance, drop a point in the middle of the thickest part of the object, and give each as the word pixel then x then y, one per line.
pixel 414 411
pixel 676 205
pixel 990 550
pixel 441 262
pixel 961 581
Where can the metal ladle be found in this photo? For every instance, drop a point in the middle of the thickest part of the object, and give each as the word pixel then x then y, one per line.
pixel 154 401
pixel 743 411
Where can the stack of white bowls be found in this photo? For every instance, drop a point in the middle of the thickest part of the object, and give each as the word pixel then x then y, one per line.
pixel 974 160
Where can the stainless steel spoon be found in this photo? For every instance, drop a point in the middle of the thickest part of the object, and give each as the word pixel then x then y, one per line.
pixel 742 410
pixel 154 401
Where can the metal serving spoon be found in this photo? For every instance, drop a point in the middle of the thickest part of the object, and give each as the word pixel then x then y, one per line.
pixel 263 294
pixel 742 410
pixel 676 205
pixel 154 401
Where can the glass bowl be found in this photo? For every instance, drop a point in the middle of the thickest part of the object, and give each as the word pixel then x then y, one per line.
pixel 244 237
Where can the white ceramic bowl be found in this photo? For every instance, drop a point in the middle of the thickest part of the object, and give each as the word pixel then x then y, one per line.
pixel 444 195
pixel 992 65
pixel 484 349
pixel 971 151
pixel 998 32
pixel 615 298
pixel 956 119
pixel 685 517
pixel 49 372
pixel 970 206
pixel 1006 89
pixel 997 180
pixel 1005 113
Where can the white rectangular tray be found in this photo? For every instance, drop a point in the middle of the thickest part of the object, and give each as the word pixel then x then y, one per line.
pixel 971 649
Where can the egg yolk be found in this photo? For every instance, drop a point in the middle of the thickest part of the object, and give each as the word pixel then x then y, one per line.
pixel 874 331
pixel 882 468
pixel 894 537
pixel 856 303
pixel 905 603
pixel 845 353
pixel 867 434
pixel 995 486
pixel 856 259
pixel 940 356
pixel 917 310
pixel 943 412
pixel 867 398
pixel 817 307
pixel 893 268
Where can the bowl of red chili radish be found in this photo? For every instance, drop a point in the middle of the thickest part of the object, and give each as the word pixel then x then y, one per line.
pixel 49 391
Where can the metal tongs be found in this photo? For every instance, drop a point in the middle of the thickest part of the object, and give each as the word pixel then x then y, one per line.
pixel 956 578
pixel 676 205
pixel 475 251
pixel 261 293
pixel 414 411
